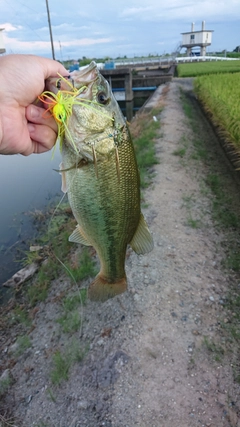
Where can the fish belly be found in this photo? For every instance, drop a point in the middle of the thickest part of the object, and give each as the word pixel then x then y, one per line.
pixel 105 200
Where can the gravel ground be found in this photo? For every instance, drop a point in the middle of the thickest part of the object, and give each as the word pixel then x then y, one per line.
pixel 149 361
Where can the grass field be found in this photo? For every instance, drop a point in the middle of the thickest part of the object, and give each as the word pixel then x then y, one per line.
pixel 220 96
pixel 194 69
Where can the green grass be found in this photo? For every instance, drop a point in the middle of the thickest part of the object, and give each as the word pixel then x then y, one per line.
pixel 180 152
pixel 62 361
pixel 38 290
pixel 61 368
pixel 183 147
pixel 23 343
pixel 189 202
pixel 193 223
pixel 56 252
pixel 20 315
pixel 222 203
pixel 70 320
pixel 71 302
pixel 232 260
pixel 84 267
pixel 4 386
pixel 144 132
pixel 212 67
pixel 216 350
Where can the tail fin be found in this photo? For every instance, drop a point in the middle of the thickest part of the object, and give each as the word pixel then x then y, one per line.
pixel 101 289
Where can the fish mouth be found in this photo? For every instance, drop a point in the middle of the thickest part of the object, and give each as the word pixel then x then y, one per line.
pixel 75 80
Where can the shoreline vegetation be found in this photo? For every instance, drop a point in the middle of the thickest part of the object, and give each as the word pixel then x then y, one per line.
pixel 216 85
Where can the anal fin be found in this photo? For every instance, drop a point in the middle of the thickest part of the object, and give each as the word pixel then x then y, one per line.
pixel 142 241
pixel 77 236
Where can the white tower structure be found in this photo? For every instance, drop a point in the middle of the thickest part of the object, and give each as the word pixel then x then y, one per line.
pixel 194 38
pixel 2 48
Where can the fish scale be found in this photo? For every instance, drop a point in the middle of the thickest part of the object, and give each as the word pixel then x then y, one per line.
pixel 104 189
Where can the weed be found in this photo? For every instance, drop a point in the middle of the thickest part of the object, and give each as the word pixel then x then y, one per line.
pixel 20 315
pixel 61 368
pixel 42 424
pixel 23 343
pixel 51 395
pixel 233 259
pixel 194 223
pixel 192 361
pixel 183 146
pixel 4 385
pixel 73 301
pixel 217 350
pixel 70 321
pixel 144 142
pixel 200 152
pixel 180 152
pixel 38 291
pixel 222 203
pixel 188 202
pixel 63 362
pixel 84 267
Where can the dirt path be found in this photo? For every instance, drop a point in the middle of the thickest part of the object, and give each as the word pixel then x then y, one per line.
pixel 150 361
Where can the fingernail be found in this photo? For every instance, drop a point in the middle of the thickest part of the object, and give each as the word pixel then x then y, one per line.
pixel 31 127
pixel 34 111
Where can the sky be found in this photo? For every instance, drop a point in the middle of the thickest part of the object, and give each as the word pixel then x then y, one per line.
pixel 101 28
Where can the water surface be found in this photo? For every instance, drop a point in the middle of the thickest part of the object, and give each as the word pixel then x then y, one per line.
pixel 27 184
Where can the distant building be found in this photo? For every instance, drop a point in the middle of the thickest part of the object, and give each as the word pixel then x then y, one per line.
pixel 2 48
pixel 194 39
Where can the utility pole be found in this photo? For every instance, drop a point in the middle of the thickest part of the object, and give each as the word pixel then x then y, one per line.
pixel 50 30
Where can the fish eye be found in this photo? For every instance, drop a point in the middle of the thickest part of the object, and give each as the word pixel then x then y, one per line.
pixel 102 98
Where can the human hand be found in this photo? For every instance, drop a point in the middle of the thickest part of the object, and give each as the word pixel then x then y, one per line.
pixel 24 128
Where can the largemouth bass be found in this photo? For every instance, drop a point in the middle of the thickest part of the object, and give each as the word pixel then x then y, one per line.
pixel 101 178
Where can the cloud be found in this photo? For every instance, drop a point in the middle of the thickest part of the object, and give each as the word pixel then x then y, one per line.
pixel 16 45
pixel 9 27
pixel 121 28
pixel 187 10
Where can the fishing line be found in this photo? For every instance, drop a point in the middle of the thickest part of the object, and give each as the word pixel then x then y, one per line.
pixel 59 260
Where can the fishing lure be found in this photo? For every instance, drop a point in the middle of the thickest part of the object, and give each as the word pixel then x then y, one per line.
pixel 60 106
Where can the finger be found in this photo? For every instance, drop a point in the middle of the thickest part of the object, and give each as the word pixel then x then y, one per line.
pixel 43 137
pixel 40 116
pixel 52 68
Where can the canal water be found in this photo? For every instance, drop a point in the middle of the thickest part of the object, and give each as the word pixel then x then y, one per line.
pixel 29 185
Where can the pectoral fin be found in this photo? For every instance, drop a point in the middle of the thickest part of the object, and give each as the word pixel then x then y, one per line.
pixel 142 241
pixel 78 237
